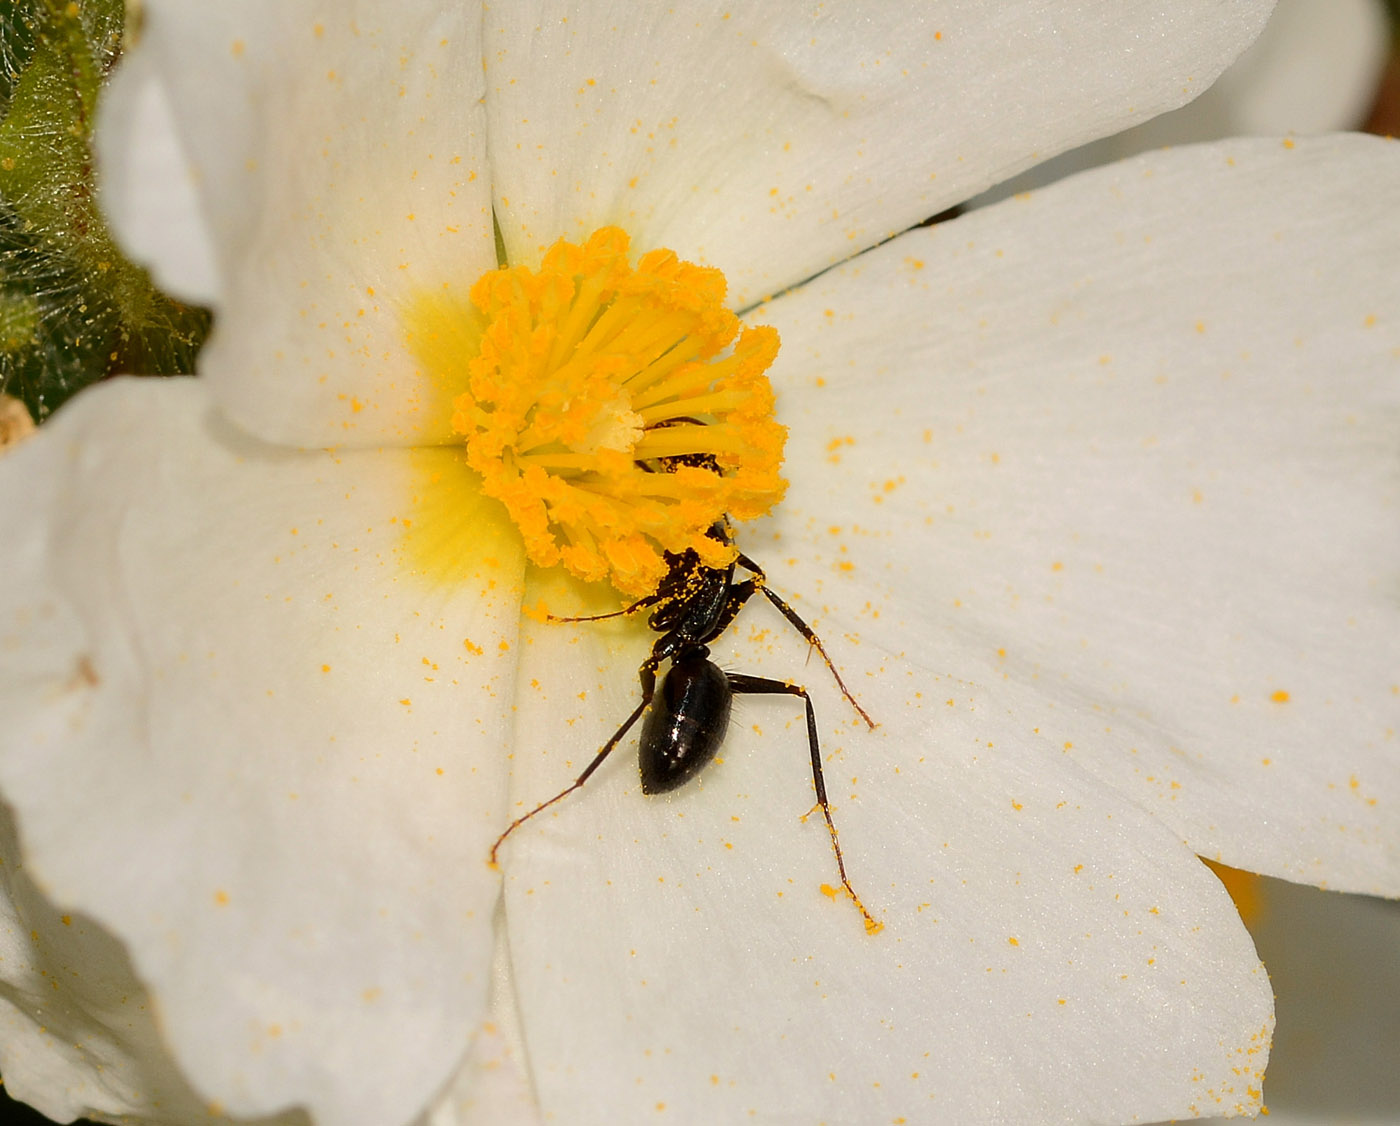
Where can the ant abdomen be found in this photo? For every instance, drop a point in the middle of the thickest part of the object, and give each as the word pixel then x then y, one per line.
pixel 686 722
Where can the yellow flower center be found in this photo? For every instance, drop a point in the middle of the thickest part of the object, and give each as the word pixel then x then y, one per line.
pixel 613 412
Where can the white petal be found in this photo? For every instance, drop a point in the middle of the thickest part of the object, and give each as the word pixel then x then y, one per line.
pixel 1049 952
pixel 339 158
pixel 77 1032
pixel 254 727
pixel 1315 68
pixel 1128 445
pixel 148 187
pixel 492 1086
pixel 771 140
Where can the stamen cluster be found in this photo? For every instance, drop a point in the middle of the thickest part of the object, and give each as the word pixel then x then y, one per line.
pixel 614 413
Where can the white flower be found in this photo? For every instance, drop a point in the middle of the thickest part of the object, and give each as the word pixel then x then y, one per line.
pixel 1092 498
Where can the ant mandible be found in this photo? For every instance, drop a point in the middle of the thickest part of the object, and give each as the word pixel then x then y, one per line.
pixel 694 604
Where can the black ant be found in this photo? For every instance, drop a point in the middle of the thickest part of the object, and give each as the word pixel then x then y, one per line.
pixel 694 605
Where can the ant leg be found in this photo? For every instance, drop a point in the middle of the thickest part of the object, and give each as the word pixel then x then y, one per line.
pixel 805 630
pixel 762 685
pixel 749 565
pixel 647 675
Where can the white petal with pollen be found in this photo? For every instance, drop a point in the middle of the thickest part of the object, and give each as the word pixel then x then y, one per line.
pixel 255 708
pixel 1049 951
pixel 772 139
pixel 1315 68
pixel 340 162
pixel 1127 446
pixel 78 1034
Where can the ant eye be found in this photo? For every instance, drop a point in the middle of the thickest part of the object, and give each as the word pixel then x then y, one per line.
pixel 592 375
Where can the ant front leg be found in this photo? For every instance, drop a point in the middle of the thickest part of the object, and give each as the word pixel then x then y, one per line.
pixel 640 604
pixel 805 630
pixel 759 685
pixel 647 675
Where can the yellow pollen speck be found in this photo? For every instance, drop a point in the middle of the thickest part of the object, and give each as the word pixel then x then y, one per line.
pixel 1013 940
pixel 829 891
pixel 619 412
pixel 1280 697
pixel 221 897
pixel 1288 142
pixel 236 48
pixel 325 668
pixel 66 920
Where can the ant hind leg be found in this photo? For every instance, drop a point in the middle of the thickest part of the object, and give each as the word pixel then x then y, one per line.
pixel 759 685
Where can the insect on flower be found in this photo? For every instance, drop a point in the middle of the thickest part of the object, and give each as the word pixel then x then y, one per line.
pixel 694 605
pixel 623 416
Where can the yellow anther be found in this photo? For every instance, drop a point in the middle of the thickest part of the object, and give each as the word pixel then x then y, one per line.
pixel 619 412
